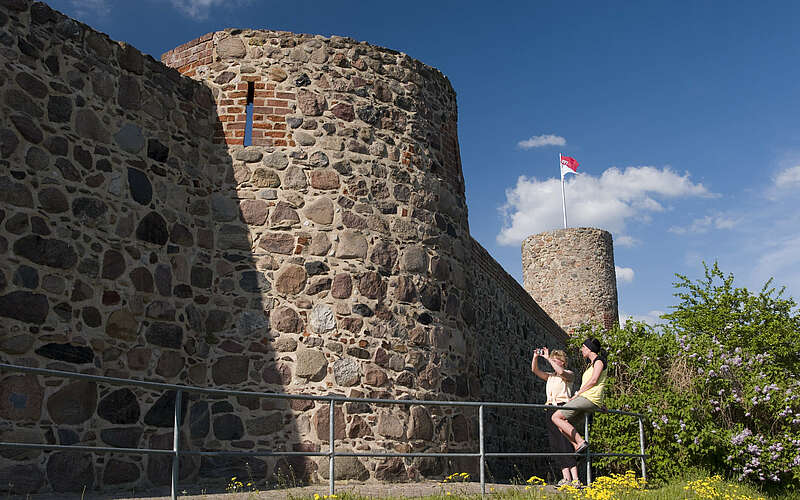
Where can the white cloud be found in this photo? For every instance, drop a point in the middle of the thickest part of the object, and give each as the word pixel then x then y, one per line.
pixel 788 177
pixel 626 241
pixel 538 141
pixel 704 224
pixel 609 201
pixel 780 259
pixel 624 274
pixel 199 9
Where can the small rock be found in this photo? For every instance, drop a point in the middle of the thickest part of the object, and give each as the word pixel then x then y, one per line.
pixel 324 179
pixel 265 178
pixel 285 319
pixel 291 279
pixel 249 155
pixel 295 178
pixel 351 245
pixel 320 211
pixel 130 138
pixel 231 47
pixel 74 403
pixel 342 286
pixel 304 139
pixel 346 372
pixel 311 364
pixel 343 111
pixel 310 104
pixel 322 319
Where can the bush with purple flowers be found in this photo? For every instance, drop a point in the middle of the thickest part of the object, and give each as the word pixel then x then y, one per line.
pixel 717 382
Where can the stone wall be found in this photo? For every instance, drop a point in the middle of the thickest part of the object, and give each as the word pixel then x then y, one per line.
pixel 508 326
pixel 570 273
pixel 107 247
pixel 140 238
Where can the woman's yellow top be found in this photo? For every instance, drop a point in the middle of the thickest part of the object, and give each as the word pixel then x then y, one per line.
pixel 596 393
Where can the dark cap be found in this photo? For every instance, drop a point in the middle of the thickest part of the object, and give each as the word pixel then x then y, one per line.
pixel 593 345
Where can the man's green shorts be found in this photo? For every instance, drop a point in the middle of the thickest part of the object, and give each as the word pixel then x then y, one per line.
pixel 577 408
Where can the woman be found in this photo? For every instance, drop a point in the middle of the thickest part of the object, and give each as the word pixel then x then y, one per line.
pixel 588 398
pixel 558 390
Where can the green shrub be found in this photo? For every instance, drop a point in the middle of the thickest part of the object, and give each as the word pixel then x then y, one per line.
pixel 717 383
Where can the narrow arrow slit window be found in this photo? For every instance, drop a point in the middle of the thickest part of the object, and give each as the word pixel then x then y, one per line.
pixel 248 127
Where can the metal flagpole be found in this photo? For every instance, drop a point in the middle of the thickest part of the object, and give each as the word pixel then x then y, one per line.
pixel 563 198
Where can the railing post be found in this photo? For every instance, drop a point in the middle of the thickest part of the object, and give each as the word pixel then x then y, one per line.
pixel 176 441
pixel 331 453
pixel 483 452
pixel 588 453
pixel 641 447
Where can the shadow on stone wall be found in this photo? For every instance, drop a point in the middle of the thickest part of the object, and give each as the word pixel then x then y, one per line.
pixel 124 253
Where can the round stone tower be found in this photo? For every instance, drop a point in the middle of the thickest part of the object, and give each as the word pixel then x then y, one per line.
pixel 570 273
pixel 353 198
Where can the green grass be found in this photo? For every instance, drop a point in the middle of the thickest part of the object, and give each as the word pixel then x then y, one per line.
pixel 701 487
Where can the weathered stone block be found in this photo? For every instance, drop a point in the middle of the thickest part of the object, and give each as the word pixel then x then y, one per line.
pixel 231 47
pixel 265 424
pixel 24 306
pixel 311 364
pixel 230 370
pixel 320 211
pixel 290 279
pixel 346 372
pixel 420 424
pixel 310 103
pixel 321 423
pixel 351 245
pixel 45 251
pixel 120 472
pixel 322 319
pixel 342 286
pixel 122 324
pixel 21 398
pixel 74 403
pixel 324 179
pixel 228 427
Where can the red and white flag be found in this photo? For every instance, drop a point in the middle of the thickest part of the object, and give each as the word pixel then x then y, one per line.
pixel 568 166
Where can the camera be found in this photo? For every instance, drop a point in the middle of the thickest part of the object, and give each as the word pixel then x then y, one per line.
pixel 540 352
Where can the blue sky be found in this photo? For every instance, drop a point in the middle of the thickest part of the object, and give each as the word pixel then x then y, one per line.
pixel 683 116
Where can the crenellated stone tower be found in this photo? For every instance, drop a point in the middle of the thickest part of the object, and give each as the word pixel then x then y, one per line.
pixel 570 273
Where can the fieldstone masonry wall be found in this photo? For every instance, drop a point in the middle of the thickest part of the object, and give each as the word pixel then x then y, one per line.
pixel 508 326
pixel 570 273
pixel 140 238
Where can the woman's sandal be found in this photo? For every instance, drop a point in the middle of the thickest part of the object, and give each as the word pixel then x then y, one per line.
pixel 582 448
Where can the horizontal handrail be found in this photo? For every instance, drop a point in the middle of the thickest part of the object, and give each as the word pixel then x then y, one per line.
pixel 332 400
pixel 279 395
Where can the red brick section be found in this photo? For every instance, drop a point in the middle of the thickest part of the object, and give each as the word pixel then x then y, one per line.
pixel 269 113
pixel 270 107
pixel 187 57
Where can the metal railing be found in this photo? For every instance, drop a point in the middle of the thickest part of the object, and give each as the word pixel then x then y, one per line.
pixel 176 452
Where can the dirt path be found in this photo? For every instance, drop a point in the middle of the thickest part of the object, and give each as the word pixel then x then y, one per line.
pixel 369 490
